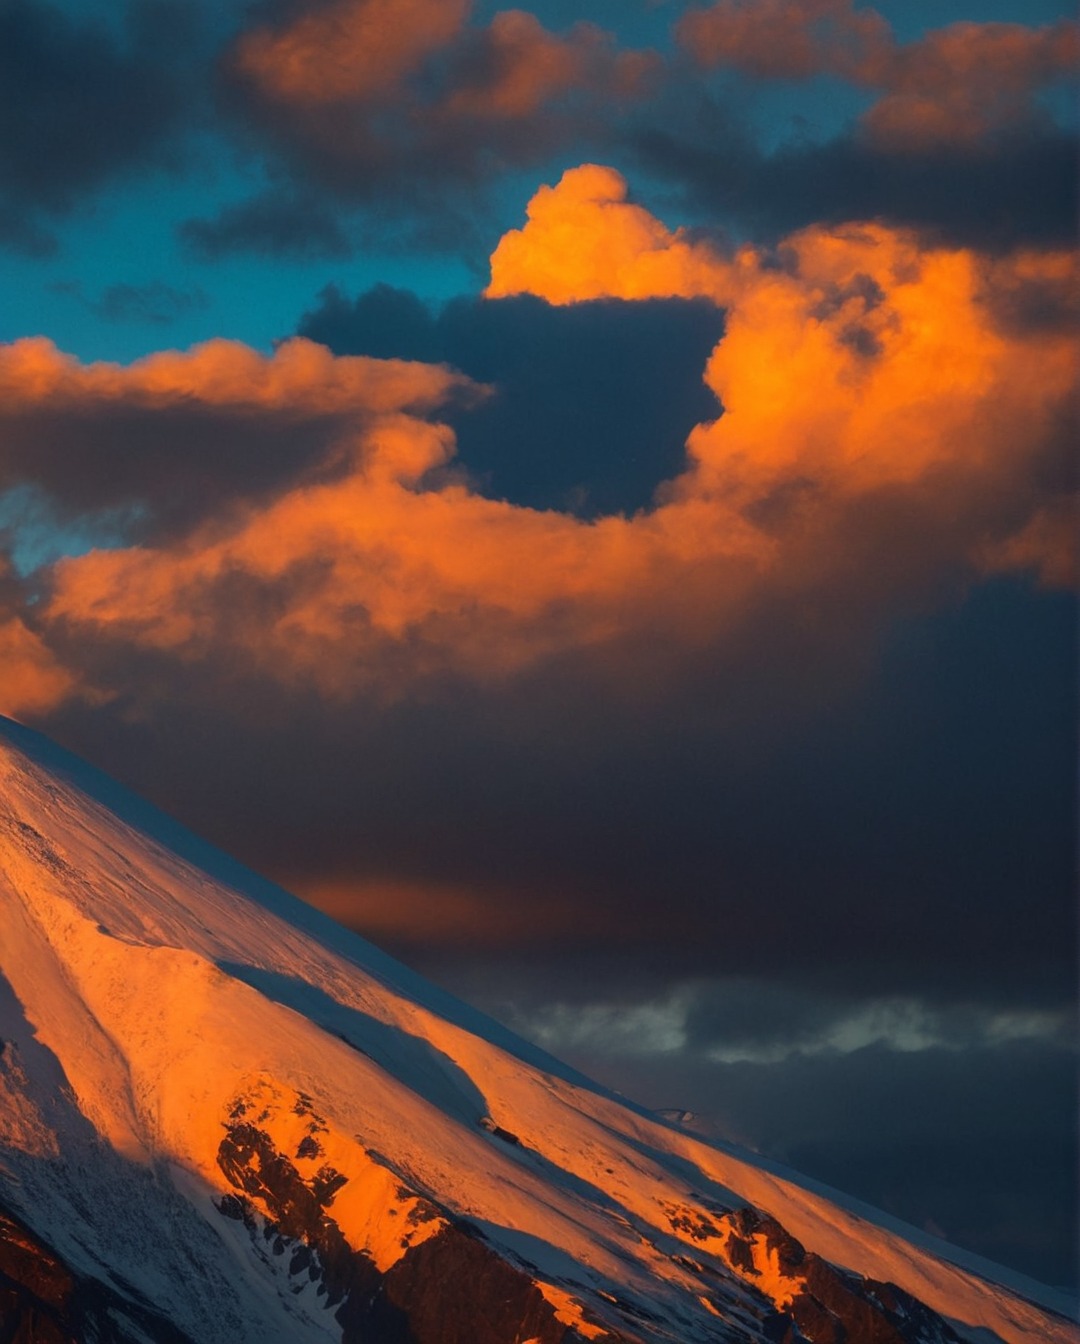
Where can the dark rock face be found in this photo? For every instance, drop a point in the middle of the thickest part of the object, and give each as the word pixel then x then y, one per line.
pixel 834 1307
pixel 452 1288
pixel 43 1302
pixel 36 1291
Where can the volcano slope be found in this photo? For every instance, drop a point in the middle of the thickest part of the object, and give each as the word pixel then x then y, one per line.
pixel 223 1118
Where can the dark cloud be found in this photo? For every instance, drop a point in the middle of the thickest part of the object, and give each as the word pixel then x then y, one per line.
pixel 154 304
pixel 1016 188
pixel 81 106
pixel 572 424
pixel 160 465
pixel 417 145
pixel 24 236
pixel 416 115
pixel 177 438
pixel 271 225
pixel 774 812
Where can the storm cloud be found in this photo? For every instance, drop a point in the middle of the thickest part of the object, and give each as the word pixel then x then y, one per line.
pixel 83 105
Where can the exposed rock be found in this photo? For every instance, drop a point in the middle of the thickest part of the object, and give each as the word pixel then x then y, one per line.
pixel 833 1307
pixel 452 1288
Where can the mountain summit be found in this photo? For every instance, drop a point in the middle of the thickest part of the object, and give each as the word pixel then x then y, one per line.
pixel 226 1120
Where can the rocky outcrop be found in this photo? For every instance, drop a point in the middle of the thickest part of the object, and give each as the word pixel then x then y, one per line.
pixel 37 1293
pixel 823 1304
pixel 453 1288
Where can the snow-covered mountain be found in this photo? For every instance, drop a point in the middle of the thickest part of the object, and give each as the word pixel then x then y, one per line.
pixel 223 1118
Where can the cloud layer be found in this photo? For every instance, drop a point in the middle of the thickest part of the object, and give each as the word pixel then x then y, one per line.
pixel 849 410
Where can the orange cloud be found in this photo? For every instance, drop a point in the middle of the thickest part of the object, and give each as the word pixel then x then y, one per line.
pixel 517 66
pixel 856 368
pixel 32 680
pixel 300 376
pixel 365 52
pixel 354 49
pixel 959 83
pixel 451 914
pixel 786 39
pixel 856 359
pixel 950 87
pixel 585 240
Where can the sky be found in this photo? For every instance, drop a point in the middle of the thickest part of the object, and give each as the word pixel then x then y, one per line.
pixel 586 495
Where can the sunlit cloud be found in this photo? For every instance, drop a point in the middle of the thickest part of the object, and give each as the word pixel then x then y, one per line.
pixel 368 96
pixel 951 86
pixel 859 373
pixel 33 680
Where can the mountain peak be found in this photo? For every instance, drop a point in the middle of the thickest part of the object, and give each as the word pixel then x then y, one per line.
pixel 224 1118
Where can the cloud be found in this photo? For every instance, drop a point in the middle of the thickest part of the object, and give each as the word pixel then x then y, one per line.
pixel 833 310
pixel 273 225
pixel 959 430
pixel 349 50
pixel 1010 192
pixel 956 136
pixel 585 240
pixel 570 424
pixel 82 105
pixel 741 1019
pixel 788 39
pixel 166 434
pixel 155 303
pixel 404 103
pixel 514 68
pixel 32 679
pixel 959 84
pixel 952 86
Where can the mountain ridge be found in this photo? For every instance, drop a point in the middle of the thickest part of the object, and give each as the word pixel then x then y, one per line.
pixel 178 1027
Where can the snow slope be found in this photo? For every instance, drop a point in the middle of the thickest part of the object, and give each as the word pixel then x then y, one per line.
pixel 230 1112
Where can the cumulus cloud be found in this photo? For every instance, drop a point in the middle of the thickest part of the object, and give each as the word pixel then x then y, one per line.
pixel 833 311
pixel 860 380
